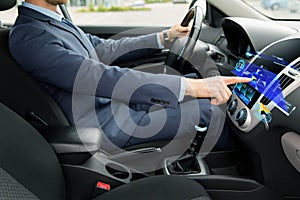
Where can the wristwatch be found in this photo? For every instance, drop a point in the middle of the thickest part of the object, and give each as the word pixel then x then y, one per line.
pixel 166 36
pixel 167 41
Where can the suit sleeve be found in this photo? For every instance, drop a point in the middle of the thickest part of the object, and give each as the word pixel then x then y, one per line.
pixel 44 56
pixel 124 49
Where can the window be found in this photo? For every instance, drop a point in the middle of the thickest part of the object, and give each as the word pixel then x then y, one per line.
pixel 119 12
pixel 152 12
pixel 277 9
pixel 127 12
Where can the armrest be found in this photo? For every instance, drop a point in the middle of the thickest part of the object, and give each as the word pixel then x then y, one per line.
pixel 73 146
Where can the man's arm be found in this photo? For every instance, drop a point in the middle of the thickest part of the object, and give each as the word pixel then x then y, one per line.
pixel 214 88
pixel 44 56
pixel 109 50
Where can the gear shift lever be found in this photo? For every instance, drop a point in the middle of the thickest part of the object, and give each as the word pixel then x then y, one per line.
pixel 187 162
pixel 195 147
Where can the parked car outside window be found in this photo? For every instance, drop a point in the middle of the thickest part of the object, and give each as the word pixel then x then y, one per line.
pixel 274 4
pixel 294 5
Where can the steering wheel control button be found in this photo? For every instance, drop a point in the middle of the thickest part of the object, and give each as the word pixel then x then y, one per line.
pixel 232 107
pixel 241 117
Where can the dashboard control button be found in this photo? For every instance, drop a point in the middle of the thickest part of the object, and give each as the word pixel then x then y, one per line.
pixel 266 123
pixel 241 117
pixel 292 73
pixel 232 107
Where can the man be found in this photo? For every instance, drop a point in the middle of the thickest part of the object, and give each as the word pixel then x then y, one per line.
pixel 74 68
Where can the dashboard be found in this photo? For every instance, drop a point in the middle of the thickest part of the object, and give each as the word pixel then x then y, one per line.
pixel 269 55
pixel 264 114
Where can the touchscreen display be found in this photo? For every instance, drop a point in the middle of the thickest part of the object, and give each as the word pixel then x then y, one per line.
pixel 261 77
pixel 263 81
pixel 246 93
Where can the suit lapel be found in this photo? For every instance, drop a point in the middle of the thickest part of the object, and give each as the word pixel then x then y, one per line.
pixel 75 31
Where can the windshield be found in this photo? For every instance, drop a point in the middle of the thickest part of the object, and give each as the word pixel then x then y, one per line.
pixel 277 9
pixel 153 12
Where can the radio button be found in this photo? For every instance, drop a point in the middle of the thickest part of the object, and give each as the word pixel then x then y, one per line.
pixel 232 107
pixel 241 117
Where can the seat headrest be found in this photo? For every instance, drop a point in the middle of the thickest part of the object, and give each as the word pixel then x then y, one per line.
pixel 7 4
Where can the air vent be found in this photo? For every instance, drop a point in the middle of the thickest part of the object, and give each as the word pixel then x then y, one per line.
pixel 296 66
pixel 285 81
pixel 264 100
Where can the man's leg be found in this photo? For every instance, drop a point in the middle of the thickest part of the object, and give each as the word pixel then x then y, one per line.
pixel 177 122
pixel 149 123
pixel 181 123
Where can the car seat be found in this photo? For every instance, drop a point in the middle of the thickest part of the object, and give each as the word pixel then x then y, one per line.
pixel 29 169
pixel 22 93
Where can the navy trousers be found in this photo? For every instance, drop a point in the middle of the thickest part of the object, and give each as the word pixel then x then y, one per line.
pixel 181 121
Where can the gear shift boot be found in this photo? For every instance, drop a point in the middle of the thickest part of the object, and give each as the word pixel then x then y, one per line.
pixel 186 165
pixel 189 165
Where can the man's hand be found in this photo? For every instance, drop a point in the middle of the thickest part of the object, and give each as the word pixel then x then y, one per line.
pixel 178 31
pixel 213 87
pixel 175 31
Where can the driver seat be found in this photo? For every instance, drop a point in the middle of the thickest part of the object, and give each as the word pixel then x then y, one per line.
pixel 20 92
pixel 29 169
pixel 25 96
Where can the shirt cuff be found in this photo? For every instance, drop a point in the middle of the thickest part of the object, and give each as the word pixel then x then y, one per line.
pixel 160 46
pixel 182 89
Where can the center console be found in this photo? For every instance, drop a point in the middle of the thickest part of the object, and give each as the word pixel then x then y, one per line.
pixel 89 172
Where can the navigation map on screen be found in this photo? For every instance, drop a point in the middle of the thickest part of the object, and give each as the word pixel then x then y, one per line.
pixel 263 81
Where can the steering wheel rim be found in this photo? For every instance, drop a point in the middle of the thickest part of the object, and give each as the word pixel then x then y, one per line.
pixel 185 53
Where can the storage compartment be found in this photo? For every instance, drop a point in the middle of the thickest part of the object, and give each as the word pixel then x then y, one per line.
pixel 83 179
pixel 117 170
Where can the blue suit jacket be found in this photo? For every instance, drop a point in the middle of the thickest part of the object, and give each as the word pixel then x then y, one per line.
pixel 72 64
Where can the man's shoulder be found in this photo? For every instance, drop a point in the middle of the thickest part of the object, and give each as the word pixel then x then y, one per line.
pixel 24 26
pixel 29 19
pixel 33 14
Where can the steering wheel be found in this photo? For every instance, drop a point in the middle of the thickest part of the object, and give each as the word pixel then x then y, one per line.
pixel 177 58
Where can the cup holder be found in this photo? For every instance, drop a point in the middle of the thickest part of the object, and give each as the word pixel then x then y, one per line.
pixel 117 170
